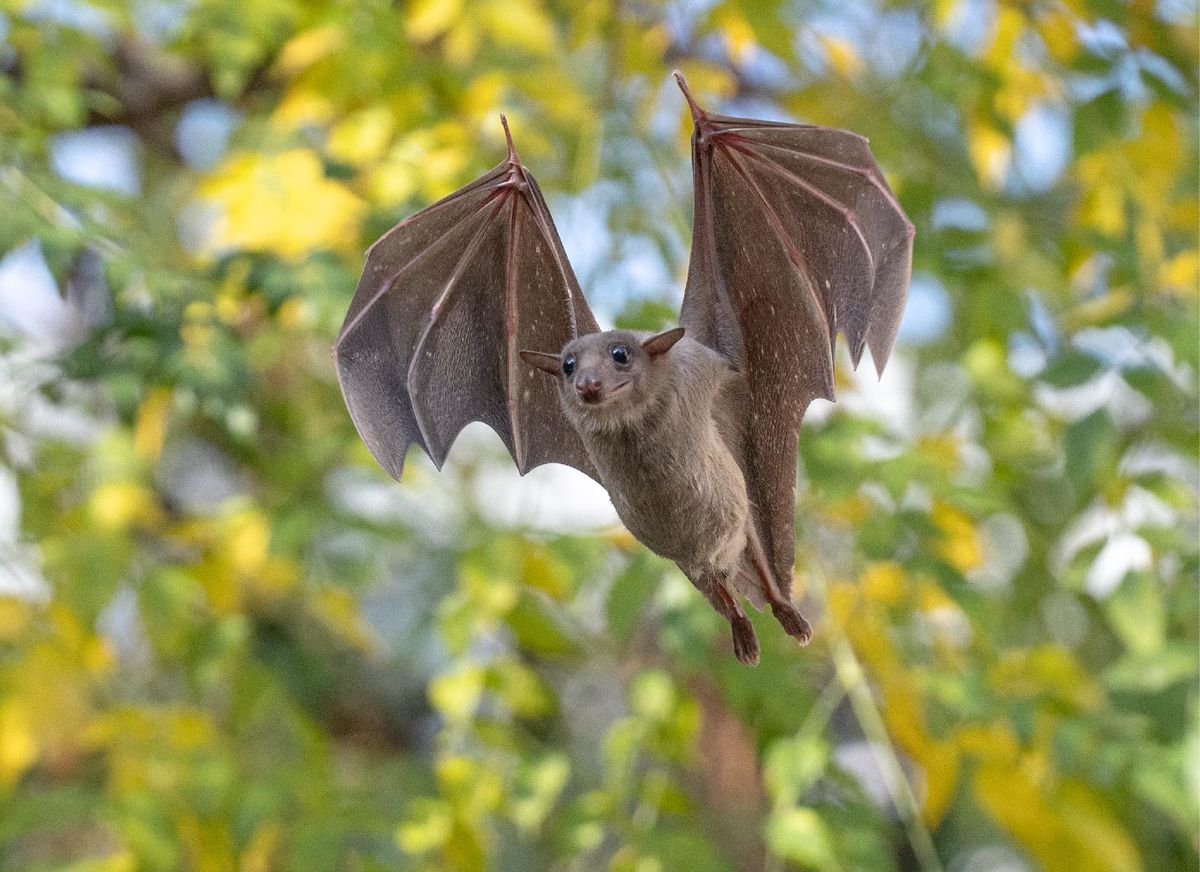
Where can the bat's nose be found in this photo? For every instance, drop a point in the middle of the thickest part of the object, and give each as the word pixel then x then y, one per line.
pixel 589 387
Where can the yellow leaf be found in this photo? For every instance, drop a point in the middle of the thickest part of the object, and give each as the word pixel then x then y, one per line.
pixel 261 855
pixel 842 55
pixel 122 861
pixel 294 314
pixel 150 429
pixel 454 770
pixel 462 42
pixel 652 695
pixel 1008 27
pixel 338 610
pixel 931 597
pixel 1066 830
pixel 120 505
pixel 228 309
pixel 363 137
pixel 1155 156
pixel 14 617
pixel 519 688
pixel 1184 214
pixel 207 842
pixel 843 601
pixel 307 47
pixel 494 595
pixel 301 107
pixel 944 448
pixel 18 745
pixel 281 203
pixel 481 101
pixel 247 541
pixel 1016 803
pixel 545 780
pixel 1181 273
pixel 1058 33
pixel 945 12
pixel 904 716
pixel 883 581
pixel 960 545
pixel 736 32
pixel 542 570
pixel 277 576
pixel 190 729
pixel 656 40
pixel 427 161
pixel 456 695
pixel 429 19
pixel 995 743
pixel 1086 815
pixel 98 658
pixel 1103 209
pixel 1045 670
pixel 221 586
pixel 521 24
pixel 1101 309
pixel 473 786
pixel 428 827
pixel 800 834
pixel 990 153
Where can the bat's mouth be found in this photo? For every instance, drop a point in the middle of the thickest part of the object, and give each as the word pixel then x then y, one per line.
pixel 600 399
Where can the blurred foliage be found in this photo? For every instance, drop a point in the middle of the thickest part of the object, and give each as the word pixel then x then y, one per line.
pixel 227 641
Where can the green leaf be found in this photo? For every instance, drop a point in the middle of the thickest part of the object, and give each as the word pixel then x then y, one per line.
pixel 1135 610
pixel 1153 672
pixel 631 590
pixel 540 629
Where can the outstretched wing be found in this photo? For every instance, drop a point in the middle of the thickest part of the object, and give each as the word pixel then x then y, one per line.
pixel 446 299
pixel 796 237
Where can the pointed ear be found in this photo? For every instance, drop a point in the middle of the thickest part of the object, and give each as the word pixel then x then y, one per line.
pixel 661 343
pixel 548 363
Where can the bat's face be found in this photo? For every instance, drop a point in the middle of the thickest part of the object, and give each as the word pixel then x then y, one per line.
pixel 610 379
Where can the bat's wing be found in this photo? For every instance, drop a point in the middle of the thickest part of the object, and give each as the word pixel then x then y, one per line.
pixel 796 237
pixel 446 299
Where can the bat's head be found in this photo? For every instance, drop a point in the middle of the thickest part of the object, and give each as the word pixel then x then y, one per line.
pixel 608 379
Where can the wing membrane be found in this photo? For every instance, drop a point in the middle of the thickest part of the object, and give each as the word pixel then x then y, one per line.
pixel 445 300
pixel 796 237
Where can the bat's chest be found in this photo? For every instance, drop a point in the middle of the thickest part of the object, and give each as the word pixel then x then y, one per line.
pixel 683 496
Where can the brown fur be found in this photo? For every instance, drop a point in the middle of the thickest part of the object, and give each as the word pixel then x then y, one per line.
pixel 659 431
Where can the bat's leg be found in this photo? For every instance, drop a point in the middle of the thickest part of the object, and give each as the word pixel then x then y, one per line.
pixel 715 590
pixel 782 607
pixel 745 643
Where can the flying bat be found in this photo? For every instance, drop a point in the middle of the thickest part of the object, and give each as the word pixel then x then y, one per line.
pixel 469 311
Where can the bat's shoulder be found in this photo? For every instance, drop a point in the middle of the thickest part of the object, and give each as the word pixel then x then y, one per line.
pixel 696 355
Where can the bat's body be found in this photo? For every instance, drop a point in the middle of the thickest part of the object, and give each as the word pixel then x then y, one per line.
pixel 662 431
pixel 673 480
pixel 797 237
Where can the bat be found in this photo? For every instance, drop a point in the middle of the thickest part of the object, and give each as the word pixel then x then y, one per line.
pixel 469 311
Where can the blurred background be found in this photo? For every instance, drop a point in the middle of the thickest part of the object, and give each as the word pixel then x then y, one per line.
pixel 229 641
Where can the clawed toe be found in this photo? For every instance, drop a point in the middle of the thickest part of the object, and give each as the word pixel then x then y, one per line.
pixel 792 621
pixel 745 643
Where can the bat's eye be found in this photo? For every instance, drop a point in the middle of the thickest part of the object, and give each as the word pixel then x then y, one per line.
pixel 568 364
pixel 620 354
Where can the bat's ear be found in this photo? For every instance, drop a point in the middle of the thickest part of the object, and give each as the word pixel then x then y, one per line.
pixel 550 363
pixel 661 343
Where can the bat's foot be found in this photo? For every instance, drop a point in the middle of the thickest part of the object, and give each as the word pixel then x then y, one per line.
pixel 745 643
pixel 792 621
